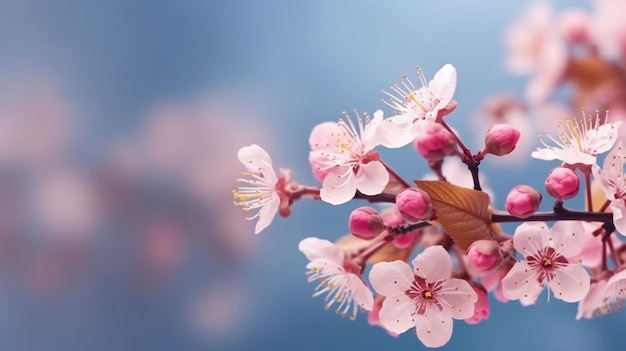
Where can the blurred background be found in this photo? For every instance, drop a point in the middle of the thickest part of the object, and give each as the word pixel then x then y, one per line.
pixel 119 127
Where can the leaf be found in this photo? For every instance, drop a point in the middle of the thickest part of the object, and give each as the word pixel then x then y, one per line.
pixel 463 213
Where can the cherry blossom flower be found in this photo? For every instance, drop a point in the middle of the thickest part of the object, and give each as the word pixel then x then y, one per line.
pixel 580 140
pixel 614 293
pixel 260 190
pixel 349 159
pixel 415 107
pixel 605 296
pixel 549 259
pixel 425 298
pixel 611 178
pixel 339 277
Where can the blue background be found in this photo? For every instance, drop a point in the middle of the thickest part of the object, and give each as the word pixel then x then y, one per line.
pixel 290 65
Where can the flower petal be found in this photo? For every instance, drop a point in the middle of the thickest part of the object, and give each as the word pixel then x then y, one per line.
pixel 396 131
pixel 618 207
pixel 316 248
pixel 339 186
pixel 568 238
pixel 591 302
pixel 396 315
pixel 322 137
pixel 361 293
pixel 255 159
pixel 457 298
pixel 391 278
pixel 443 85
pixel 521 282
pixel 267 213
pixel 433 264
pixel 434 329
pixel 371 178
pixel 528 237
pixel 571 283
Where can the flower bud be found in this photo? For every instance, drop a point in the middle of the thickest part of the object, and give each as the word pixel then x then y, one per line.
pixel 501 139
pixel 435 142
pixel 414 204
pixel 481 307
pixel 522 201
pixel 401 241
pixel 484 255
pixel 365 223
pixel 562 183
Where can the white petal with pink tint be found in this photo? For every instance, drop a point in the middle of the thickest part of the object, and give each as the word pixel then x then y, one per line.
pixel 371 178
pixel 336 278
pixel 528 237
pixel 434 329
pixel 571 283
pixel 259 189
pixel 428 300
pixel 387 278
pixel 397 313
pixel 339 186
pixel 521 282
pixel 425 267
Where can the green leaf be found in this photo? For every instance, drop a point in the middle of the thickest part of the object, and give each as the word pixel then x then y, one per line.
pixel 464 213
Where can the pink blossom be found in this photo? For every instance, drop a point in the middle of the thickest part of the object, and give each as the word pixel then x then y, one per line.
pixel 425 298
pixel 414 204
pixel 611 178
pixel 580 141
pixel 501 139
pixel 349 159
pixel 608 28
pixel 402 241
pixel 435 142
pixel 562 183
pixel 365 223
pixel 260 190
pixel 416 107
pixel 484 255
pixel 339 278
pixel 522 201
pixel 549 257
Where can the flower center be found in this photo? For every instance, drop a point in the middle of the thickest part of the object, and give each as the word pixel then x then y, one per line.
pixel 547 263
pixel 427 294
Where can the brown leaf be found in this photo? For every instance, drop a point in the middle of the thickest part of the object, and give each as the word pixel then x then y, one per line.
pixel 463 213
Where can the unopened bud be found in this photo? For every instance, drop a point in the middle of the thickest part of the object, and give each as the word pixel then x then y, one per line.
pixel 414 204
pixel 562 183
pixel 522 201
pixel 485 255
pixel 435 142
pixel 481 307
pixel 365 223
pixel 501 139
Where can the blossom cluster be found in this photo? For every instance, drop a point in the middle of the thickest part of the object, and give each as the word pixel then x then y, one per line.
pixel 446 228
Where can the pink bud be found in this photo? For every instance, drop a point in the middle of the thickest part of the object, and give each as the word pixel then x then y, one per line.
pixel 485 255
pixel 574 25
pixel 435 142
pixel 481 307
pixel 501 139
pixel 365 223
pixel 522 201
pixel 562 183
pixel 401 241
pixel 414 204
